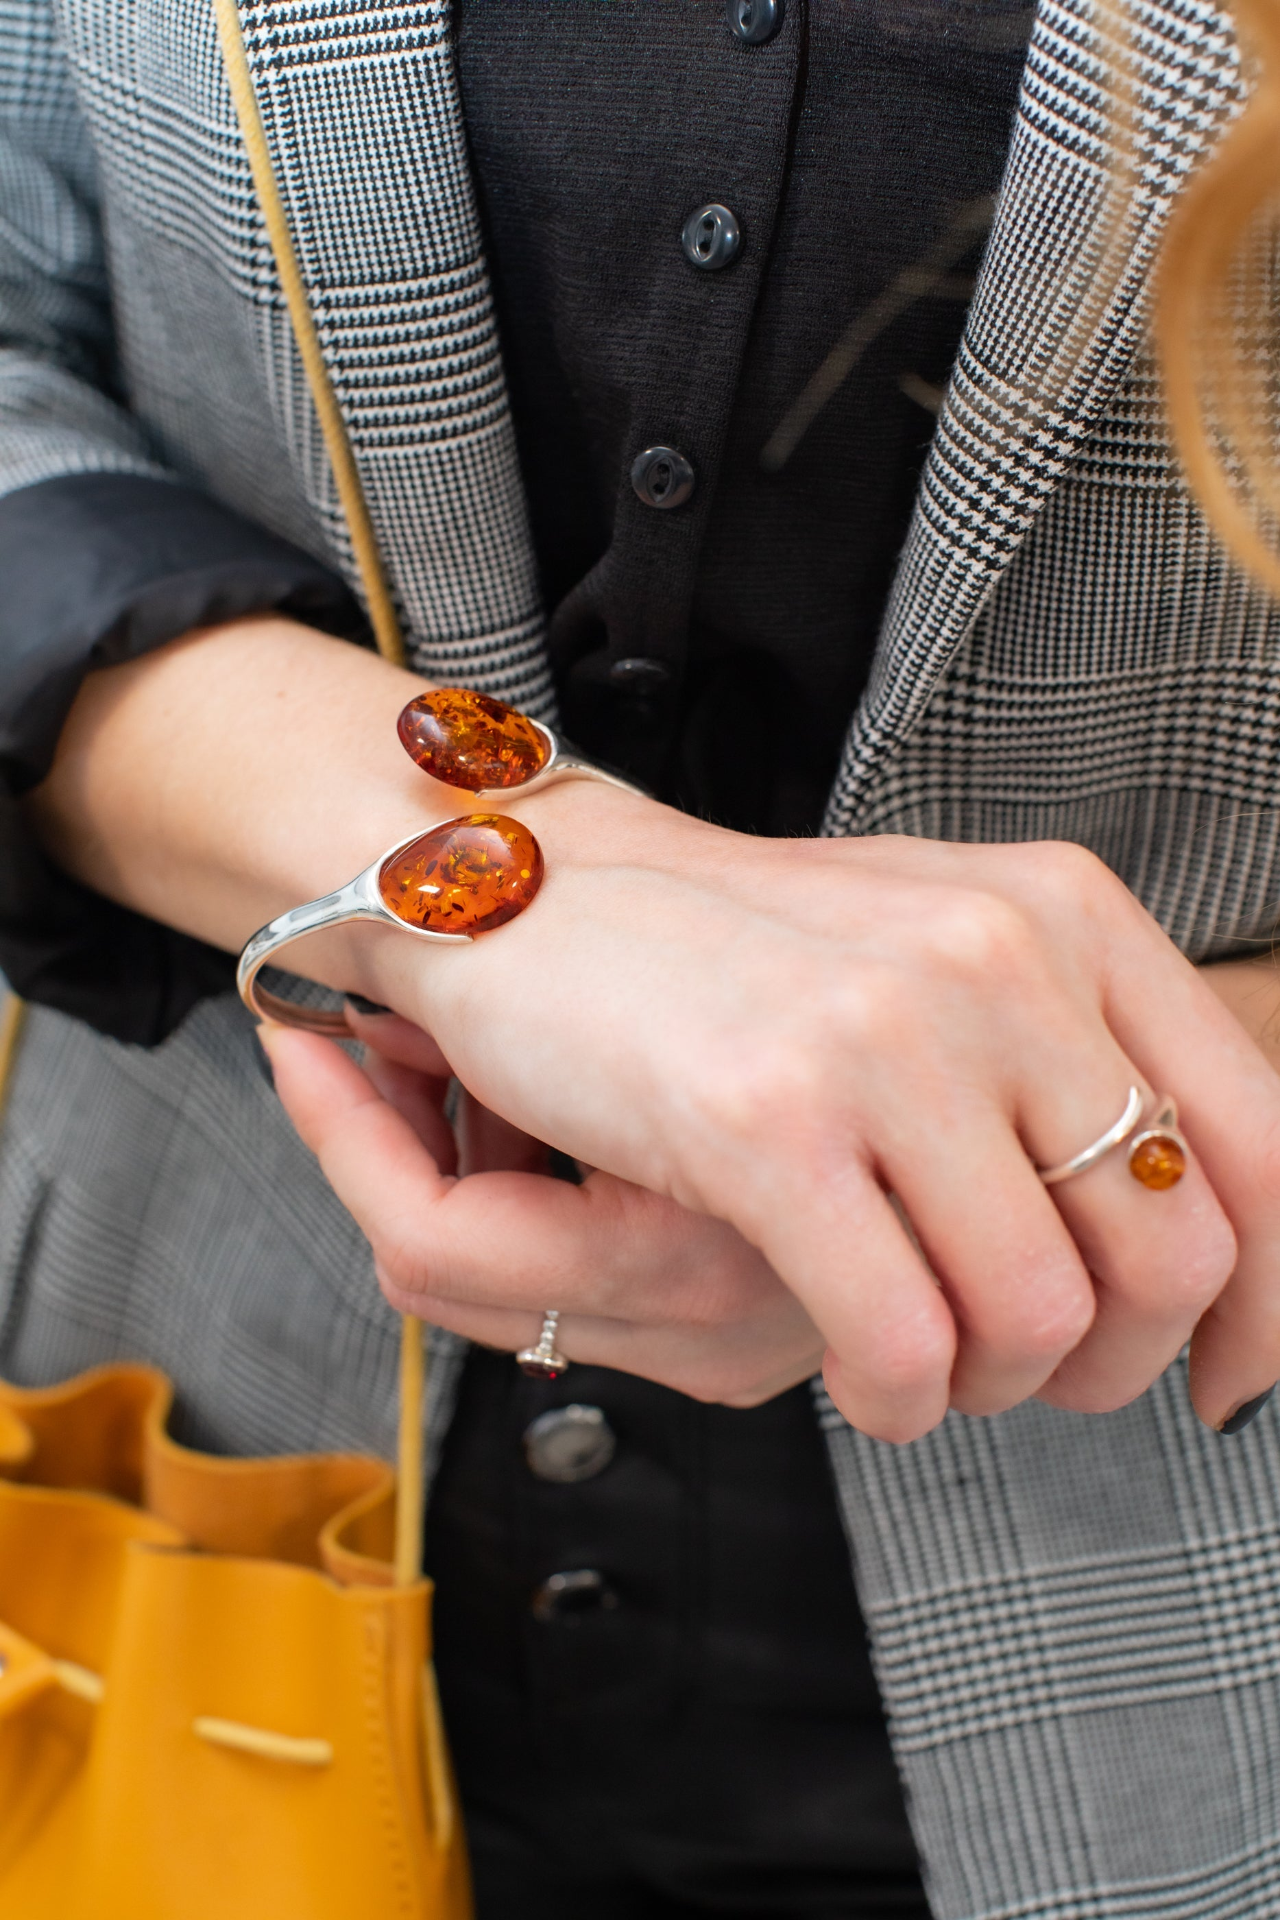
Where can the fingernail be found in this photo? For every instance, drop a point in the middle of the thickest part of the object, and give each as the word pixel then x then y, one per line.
pixel 361 1005
pixel 1240 1419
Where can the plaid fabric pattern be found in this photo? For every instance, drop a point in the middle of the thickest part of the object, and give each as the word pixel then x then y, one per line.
pixel 1074 1620
pixel 1067 654
pixel 125 111
pixel 1075 1623
pixel 154 1204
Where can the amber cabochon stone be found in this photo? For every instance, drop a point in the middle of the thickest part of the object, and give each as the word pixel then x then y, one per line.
pixel 1158 1162
pixel 468 740
pixel 465 876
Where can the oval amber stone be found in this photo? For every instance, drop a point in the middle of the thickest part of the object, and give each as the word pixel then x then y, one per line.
pixel 1158 1161
pixel 465 876
pixel 468 740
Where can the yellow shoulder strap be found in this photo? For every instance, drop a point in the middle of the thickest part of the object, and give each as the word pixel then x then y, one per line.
pixel 10 1033
pixel 382 615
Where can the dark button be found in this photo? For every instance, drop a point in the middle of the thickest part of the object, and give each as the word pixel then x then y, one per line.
pixel 566 1595
pixel 711 237
pixel 569 1443
pixel 662 477
pixel 754 21
pixel 639 674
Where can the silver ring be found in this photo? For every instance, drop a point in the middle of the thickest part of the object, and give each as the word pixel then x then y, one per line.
pixel 1099 1148
pixel 543 1362
pixel 360 899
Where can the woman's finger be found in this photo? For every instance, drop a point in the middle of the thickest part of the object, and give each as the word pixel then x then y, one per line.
pixel 489 1144
pixel 418 1098
pixel 1159 1260
pixel 1229 1108
pixel 1156 1259
pixel 1021 1295
pixel 410 1071
pixel 509 1239
pixel 395 1038
pixel 1185 1044
pixel 890 1337
pixel 738 1364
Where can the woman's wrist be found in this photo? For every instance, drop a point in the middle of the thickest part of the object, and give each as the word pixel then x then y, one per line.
pixel 584 828
pixel 248 768
pixel 232 774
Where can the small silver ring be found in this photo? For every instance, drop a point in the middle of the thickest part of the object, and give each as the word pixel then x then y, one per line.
pixel 1114 1136
pixel 544 1362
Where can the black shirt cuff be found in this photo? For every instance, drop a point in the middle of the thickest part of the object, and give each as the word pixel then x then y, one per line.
pixel 99 568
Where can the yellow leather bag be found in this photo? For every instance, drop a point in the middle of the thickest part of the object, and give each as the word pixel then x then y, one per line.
pixel 213 1701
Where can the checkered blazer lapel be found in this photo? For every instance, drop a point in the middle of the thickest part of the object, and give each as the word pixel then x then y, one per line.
pixel 1044 349
pixel 362 115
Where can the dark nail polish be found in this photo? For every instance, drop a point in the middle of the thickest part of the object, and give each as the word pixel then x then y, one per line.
pixel 1243 1415
pixel 361 1005
pixel 562 1166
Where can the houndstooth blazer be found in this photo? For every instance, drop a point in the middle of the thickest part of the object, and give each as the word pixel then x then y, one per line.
pixel 1076 1622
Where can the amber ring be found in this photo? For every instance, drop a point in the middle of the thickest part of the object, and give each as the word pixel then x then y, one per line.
pixel 459 879
pixel 1157 1154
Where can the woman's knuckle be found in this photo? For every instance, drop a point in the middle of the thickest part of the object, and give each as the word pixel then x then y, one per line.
pixel 861 1397
pixel 1206 1260
pixel 1075 872
pixel 1185 1275
pixel 899 1426
pixel 1048 1325
pixel 985 936
pixel 907 1362
pixel 874 1013
pixel 747 1085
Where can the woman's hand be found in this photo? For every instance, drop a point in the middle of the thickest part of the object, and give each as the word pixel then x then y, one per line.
pixel 644 1285
pixel 785 1034
pixel 804 1040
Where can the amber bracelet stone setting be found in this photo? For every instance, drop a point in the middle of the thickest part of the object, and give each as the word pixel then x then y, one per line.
pixel 457 879
pixel 469 740
pixel 465 876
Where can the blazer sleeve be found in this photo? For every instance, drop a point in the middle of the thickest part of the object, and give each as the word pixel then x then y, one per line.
pixel 104 553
